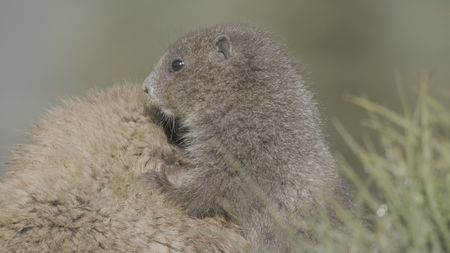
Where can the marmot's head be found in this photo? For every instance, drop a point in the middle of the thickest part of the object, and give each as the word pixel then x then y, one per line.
pixel 210 66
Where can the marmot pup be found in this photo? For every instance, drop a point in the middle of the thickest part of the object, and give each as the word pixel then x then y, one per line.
pixel 247 119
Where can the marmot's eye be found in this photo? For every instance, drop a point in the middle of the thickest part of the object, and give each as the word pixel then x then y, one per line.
pixel 177 65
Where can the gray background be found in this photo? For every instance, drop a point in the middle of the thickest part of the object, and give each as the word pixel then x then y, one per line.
pixel 54 49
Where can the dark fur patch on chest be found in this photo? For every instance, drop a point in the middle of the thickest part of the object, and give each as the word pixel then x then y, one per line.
pixel 174 130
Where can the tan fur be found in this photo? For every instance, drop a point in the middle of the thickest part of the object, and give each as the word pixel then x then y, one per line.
pixel 77 187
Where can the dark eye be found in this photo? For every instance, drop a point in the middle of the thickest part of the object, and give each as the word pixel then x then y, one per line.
pixel 177 65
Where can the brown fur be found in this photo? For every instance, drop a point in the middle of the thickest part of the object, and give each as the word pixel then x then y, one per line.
pixel 247 117
pixel 77 186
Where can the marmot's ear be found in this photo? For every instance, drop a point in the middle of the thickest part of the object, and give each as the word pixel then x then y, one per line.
pixel 223 45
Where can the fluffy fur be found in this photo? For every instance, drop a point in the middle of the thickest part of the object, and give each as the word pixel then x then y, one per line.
pixel 77 187
pixel 248 118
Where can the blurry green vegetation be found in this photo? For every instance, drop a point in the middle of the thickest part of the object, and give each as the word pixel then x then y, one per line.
pixel 403 190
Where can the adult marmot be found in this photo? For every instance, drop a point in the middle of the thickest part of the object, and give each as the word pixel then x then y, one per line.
pixel 77 187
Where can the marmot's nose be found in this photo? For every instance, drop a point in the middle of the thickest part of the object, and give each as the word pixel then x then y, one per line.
pixel 145 90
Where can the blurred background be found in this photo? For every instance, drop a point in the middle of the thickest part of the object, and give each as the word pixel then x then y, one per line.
pixel 53 49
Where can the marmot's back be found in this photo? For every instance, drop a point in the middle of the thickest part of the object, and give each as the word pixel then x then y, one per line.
pixel 77 187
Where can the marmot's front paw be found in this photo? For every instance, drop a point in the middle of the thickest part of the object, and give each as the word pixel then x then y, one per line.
pixel 158 180
pixel 195 203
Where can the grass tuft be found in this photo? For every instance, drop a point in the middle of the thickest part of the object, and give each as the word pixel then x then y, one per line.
pixel 403 191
